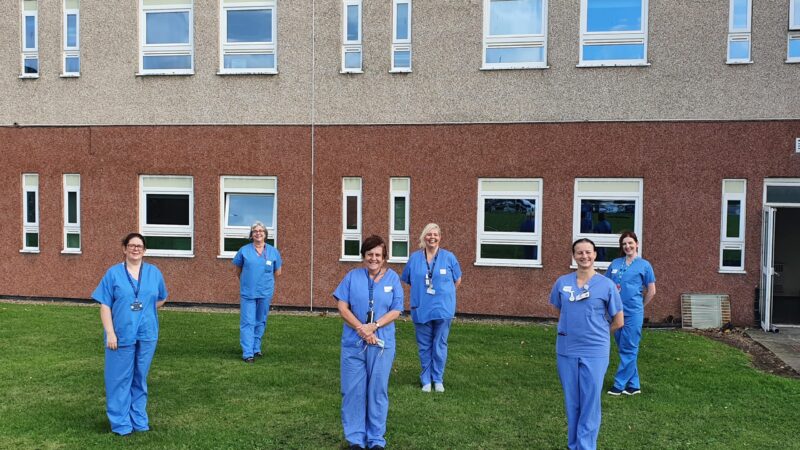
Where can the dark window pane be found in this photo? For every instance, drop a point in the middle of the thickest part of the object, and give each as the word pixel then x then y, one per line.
pixel 499 251
pixel 31 65
pixel 783 194
pixel 607 254
pixel 400 249
pixel 352 248
pixel 400 213
pixel 72 207
pixel 607 216
pixel 31 200
pixel 73 240
pixel 518 215
pixel 352 213
pixel 731 258
pixel 167 209
pixel 169 243
pixel 234 244
pixel 734 216
pixel 31 239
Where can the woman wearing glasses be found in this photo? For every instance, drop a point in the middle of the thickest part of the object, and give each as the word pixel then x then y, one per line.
pixel 257 264
pixel 129 295
pixel 369 299
pixel 586 301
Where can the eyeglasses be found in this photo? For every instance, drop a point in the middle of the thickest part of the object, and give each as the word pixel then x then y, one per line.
pixel 259 231
pixel 135 247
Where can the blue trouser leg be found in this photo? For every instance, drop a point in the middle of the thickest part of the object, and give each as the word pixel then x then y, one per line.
pixel 247 324
pixel 118 378
pixel 379 367
pixel 141 366
pixel 441 329
pixel 582 381
pixel 424 335
pixel 262 310
pixel 365 394
pixel 628 338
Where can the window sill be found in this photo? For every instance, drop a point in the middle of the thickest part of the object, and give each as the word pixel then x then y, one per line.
pixel 165 73
pixel 737 63
pixel 515 67
pixel 166 254
pixel 397 260
pixel 29 250
pixel 70 75
pixel 351 71
pixel 612 64
pixel 29 76
pixel 400 71
pixel 249 72
pixel 507 264
pixel 793 61
pixel 231 256
pixel 733 272
pixel 71 252
pixel 350 259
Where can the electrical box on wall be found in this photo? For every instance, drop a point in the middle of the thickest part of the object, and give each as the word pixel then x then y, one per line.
pixel 797 145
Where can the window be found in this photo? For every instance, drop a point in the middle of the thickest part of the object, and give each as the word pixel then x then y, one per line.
pixel 613 33
pixel 72 213
pixel 247 31
pixel 739 32
pixel 30 39
pixel 731 246
pixel 30 212
pixel 243 201
pixel 603 209
pixel 793 48
pixel 351 36
pixel 351 219
pixel 401 36
pixel 72 52
pixel 514 34
pixel 399 218
pixel 166 205
pixel 509 222
pixel 166 36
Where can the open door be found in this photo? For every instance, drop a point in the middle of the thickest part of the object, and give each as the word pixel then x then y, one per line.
pixel 767 270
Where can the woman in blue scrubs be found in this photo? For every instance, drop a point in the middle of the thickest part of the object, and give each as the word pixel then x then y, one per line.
pixel 632 275
pixel 257 264
pixel 433 274
pixel 369 299
pixel 129 294
pixel 586 301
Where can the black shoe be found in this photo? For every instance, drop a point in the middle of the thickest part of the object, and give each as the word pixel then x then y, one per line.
pixel 258 355
pixel 376 447
pixel 355 447
pixel 249 360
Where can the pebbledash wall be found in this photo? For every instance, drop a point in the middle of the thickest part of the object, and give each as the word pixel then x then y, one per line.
pixel 679 126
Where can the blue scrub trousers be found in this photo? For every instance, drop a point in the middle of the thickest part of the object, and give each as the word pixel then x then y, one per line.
pixel 582 380
pixel 628 338
pixel 432 345
pixel 252 324
pixel 365 394
pixel 126 371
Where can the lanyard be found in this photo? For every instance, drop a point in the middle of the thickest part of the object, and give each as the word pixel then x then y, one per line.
pixel 138 281
pixel 371 286
pixel 621 272
pixel 432 265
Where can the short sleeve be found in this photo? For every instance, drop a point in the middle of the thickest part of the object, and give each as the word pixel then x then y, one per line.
pixel 455 267
pixel 238 260
pixel 406 275
pixel 555 297
pixel 649 275
pixel 397 299
pixel 609 269
pixel 342 292
pixel 104 293
pixel 278 261
pixel 614 304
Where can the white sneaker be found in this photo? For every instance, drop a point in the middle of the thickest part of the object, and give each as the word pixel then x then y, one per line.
pixel 438 387
pixel 426 388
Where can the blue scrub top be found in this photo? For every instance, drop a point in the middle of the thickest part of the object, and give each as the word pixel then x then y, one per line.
pixel 258 271
pixel 116 292
pixel 631 281
pixel 584 325
pixel 446 271
pixel 387 294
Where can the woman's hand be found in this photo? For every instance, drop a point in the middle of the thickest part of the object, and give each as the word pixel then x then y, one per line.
pixel 372 339
pixel 111 341
pixel 365 331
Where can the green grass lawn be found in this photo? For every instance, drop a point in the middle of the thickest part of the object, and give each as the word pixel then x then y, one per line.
pixel 502 389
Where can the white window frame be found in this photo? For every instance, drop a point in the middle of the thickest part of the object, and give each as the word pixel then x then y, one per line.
pixel 166 230
pixel 612 239
pixel 72 228
pixel 794 31
pixel 524 40
pixel 398 235
pixel 401 45
pixel 351 235
pixel 732 243
pixel 30 53
pixel 613 38
pixel 509 238
pixel 30 227
pixel 249 48
pixel 71 51
pixel 740 34
pixel 352 46
pixel 227 231
pixel 165 49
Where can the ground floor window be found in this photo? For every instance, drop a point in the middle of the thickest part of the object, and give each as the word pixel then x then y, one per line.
pixel 351 218
pixel 244 201
pixel 166 206
pixel 731 246
pixel 399 215
pixel 72 213
pixel 30 212
pixel 509 222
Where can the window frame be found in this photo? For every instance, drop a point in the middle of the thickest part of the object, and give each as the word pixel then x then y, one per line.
pixel 356 45
pixel 733 243
pixel 174 49
pixel 611 239
pixel 613 38
pixel 70 51
pixel 248 48
pixel 351 235
pixel 794 32
pixel 228 231
pixel 30 227
pixel 397 235
pixel 740 34
pixel 71 228
pixel 30 53
pixel 401 45
pixel 509 237
pixel 513 41
pixel 148 230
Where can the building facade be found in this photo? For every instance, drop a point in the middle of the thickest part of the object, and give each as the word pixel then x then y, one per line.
pixel 517 125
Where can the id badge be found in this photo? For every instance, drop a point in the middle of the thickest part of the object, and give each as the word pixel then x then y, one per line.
pixel 431 291
pixel 427 280
pixel 136 305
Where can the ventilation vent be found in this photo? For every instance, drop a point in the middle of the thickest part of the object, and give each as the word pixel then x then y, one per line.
pixel 705 310
pixel 797 145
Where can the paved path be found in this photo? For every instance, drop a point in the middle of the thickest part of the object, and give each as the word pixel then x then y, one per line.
pixel 785 344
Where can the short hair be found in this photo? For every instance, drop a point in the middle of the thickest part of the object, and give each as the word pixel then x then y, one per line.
pixel 372 242
pixel 427 229
pixel 626 234
pixel 130 236
pixel 582 240
pixel 255 225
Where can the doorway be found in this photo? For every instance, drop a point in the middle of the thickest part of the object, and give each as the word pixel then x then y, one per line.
pixel 786 282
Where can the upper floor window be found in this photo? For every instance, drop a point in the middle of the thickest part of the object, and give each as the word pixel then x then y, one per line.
pixel 72 52
pixel 401 36
pixel 351 36
pixel 30 39
pixel 30 212
pixel 399 218
pixel 793 47
pixel 72 213
pixel 731 247
pixel 247 30
pixel 166 37
pixel 166 214
pixel 613 33
pixel 243 201
pixel 509 222
pixel 351 218
pixel 739 27
pixel 514 34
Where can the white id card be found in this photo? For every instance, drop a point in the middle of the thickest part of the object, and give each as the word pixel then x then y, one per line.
pixel 431 291
pixel 387 289
pixel 269 262
pixel 442 271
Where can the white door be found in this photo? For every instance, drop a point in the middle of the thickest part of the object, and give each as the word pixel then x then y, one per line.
pixel 767 270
